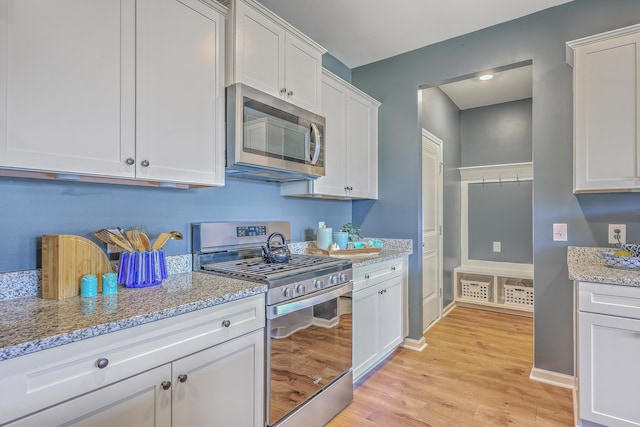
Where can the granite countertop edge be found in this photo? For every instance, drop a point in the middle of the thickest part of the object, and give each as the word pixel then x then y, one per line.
pixel 585 264
pixel 203 291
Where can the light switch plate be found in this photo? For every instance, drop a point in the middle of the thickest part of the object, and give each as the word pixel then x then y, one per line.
pixel 497 246
pixel 560 232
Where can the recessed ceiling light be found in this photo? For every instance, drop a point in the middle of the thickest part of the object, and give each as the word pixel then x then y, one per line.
pixel 486 77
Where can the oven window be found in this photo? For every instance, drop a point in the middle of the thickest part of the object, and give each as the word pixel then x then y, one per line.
pixel 274 133
pixel 309 349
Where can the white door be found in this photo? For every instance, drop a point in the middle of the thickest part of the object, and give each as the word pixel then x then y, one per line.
pixel 431 229
pixel 180 94
pixel 139 401
pixel 362 155
pixel 67 95
pixel 303 74
pixel 222 385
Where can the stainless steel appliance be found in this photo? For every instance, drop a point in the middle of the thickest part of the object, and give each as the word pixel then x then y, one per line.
pixel 269 139
pixel 308 335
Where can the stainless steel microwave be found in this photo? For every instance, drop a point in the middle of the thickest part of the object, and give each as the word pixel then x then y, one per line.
pixel 269 139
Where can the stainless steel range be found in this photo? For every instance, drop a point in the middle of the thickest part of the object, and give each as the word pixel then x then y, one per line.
pixel 308 335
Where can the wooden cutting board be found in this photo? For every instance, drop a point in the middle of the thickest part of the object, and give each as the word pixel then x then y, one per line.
pixel 65 259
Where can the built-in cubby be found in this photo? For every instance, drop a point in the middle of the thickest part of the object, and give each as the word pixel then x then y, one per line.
pixel 495 286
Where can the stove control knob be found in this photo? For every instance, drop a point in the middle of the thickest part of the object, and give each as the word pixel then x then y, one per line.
pixel 301 289
pixel 334 280
pixel 287 292
pixel 318 284
pixel 344 278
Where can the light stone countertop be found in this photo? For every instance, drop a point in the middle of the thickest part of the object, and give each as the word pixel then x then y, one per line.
pixel 30 324
pixel 33 324
pixel 586 265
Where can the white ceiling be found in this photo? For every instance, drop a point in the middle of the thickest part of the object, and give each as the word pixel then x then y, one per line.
pixel 505 86
pixel 359 32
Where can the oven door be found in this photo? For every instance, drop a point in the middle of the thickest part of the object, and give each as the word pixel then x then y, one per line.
pixel 308 348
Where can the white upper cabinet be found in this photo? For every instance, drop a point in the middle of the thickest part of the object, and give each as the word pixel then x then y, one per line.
pixel 113 88
pixel 268 54
pixel 351 145
pixel 67 85
pixel 606 116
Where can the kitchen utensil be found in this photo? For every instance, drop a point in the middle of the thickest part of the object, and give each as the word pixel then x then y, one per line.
pixel 134 238
pixel 164 237
pixel 65 259
pixel 114 239
pixel 145 241
pixel 275 252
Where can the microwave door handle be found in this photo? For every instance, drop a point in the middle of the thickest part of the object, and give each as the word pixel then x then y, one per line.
pixel 315 137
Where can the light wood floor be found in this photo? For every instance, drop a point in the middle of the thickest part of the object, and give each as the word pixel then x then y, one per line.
pixel 474 372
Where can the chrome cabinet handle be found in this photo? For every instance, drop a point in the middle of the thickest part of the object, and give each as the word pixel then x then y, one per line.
pixel 393 269
pixel 130 161
pixel 226 323
pixel 166 385
pixel 144 163
pixel 366 276
pixel 102 363
pixel 290 93
pixel 182 378
pixel 283 90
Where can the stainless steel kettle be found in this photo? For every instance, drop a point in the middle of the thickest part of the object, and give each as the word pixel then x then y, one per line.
pixel 275 252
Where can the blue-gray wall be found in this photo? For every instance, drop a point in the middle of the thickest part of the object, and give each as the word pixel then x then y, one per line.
pixel 501 213
pixel 338 68
pixel 496 134
pixel 31 208
pixel 540 37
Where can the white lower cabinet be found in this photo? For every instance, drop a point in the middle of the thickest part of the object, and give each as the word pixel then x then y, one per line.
pixel 201 368
pixel 378 303
pixel 138 401
pixel 608 347
pixel 221 386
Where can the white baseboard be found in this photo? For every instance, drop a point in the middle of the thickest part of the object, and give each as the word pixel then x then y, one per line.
pixel 448 308
pixel 553 378
pixel 416 345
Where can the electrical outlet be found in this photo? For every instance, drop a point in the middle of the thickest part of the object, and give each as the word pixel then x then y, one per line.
pixel 617 233
pixel 497 246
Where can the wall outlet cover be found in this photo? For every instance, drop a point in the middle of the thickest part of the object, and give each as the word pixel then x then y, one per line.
pixel 497 246
pixel 617 233
pixel 560 232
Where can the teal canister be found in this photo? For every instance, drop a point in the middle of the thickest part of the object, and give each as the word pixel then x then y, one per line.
pixel 325 237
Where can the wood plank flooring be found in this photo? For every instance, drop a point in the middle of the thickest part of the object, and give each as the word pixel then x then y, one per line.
pixel 474 372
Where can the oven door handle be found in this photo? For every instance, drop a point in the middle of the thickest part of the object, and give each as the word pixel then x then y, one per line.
pixel 317 298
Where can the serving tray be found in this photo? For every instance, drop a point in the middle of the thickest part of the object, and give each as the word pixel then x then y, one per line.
pixel 347 253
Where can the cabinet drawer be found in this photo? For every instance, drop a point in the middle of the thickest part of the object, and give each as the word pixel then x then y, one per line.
pixel 32 382
pixel 371 275
pixel 623 301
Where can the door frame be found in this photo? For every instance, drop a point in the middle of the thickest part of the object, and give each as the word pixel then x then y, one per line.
pixel 439 142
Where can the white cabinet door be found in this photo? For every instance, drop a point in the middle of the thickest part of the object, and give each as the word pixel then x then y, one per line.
pixel 221 386
pixel 303 74
pixel 180 92
pixel 362 147
pixel 259 51
pixel 67 89
pixel 608 370
pixel 366 330
pixel 334 107
pixel 139 401
pixel 391 314
pixel 607 115
pixel 271 56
